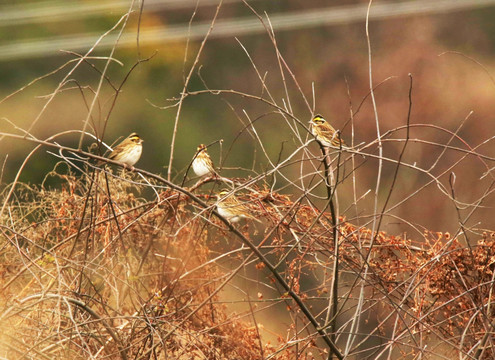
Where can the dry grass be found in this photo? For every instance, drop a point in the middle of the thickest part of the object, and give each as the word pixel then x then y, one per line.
pixel 91 274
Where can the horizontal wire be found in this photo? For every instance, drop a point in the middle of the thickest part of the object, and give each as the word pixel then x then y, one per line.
pixel 48 11
pixel 240 26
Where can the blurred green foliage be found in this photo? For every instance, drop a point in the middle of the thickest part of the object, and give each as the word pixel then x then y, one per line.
pixel 333 59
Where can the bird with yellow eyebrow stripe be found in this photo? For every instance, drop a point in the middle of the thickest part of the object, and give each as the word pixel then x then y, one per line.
pixel 231 208
pixel 128 151
pixel 325 133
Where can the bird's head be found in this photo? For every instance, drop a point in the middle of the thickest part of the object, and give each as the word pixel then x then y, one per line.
pixel 134 137
pixel 317 120
pixel 222 194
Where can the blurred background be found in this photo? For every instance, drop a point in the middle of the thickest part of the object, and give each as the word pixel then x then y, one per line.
pixel 447 47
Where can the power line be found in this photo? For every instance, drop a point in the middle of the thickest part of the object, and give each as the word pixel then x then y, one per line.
pixel 43 12
pixel 242 26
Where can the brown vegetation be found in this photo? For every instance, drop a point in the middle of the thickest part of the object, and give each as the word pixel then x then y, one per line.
pixel 89 273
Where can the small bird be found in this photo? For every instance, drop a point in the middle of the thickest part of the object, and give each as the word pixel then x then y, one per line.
pixel 231 208
pixel 202 163
pixel 128 151
pixel 325 133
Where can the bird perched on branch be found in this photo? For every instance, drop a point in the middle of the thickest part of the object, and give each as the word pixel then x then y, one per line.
pixel 325 133
pixel 128 151
pixel 202 163
pixel 232 208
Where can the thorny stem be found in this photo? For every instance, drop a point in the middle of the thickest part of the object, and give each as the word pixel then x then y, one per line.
pixel 334 293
